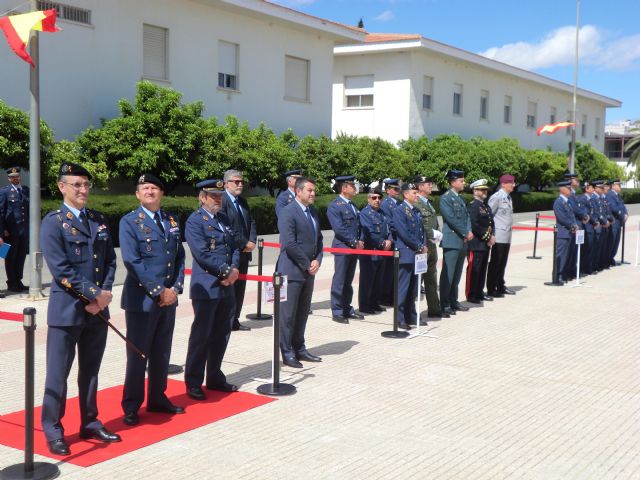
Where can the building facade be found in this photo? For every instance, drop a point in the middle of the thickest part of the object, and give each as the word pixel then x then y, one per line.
pixel 401 86
pixel 249 58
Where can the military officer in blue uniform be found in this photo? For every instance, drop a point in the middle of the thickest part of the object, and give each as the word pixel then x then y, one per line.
pixel 606 236
pixel 582 218
pixel 344 218
pixel 567 227
pixel 216 258
pixel 376 236
pixel 620 216
pixel 456 233
pixel 392 189
pixel 78 248
pixel 484 238
pixel 152 252
pixel 285 197
pixel 589 247
pixel 599 231
pixel 411 240
pixel 14 228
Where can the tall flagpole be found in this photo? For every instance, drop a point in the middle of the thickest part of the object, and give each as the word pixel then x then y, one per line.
pixel 35 255
pixel 572 160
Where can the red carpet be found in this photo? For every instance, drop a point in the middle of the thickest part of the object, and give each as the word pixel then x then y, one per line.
pixel 16 317
pixel 153 427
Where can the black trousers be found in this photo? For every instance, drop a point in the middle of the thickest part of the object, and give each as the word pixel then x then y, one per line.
pixel 293 316
pixel 476 273
pixel 497 266
pixel 240 286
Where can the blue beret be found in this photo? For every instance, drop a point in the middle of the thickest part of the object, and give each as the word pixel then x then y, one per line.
pixel 211 186
pixel 409 186
pixel 69 168
pixel 150 178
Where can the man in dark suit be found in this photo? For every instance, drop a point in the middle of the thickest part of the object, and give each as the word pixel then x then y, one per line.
pixel 285 197
pixel 14 228
pixel 152 252
pixel 235 210
pixel 567 227
pixel 483 239
pixel 300 258
pixel 78 249
pixel 215 271
pixel 620 216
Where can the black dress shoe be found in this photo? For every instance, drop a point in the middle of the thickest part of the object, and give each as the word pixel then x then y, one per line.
pixel 508 291
pixel 422 323
pixel 171 408
pixel 461 308
pixel 308 357
pixel 473 300
pixel 196 393
pixel 356 315
pixel 379 309
pixel 101 434
pixel 487 298
pixel 292 362
pixel 59 447
pixel 448 311
pixel 497 295
pixel 131 418
pixel 238 327
pixel 223 387
pixel 340 319
pixel 367 311
pixel 438 315
pixel 404 326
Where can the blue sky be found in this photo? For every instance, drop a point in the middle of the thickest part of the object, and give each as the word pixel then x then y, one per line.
pixel 538 36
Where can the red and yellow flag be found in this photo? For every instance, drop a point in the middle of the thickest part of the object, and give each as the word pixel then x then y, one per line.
pixel 17 27
pixel 553 127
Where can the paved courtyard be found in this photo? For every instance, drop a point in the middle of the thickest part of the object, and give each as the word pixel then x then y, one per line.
pixel 541 385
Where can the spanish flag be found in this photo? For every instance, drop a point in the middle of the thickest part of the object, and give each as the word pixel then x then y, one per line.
pixel 553 127
pixel 17 27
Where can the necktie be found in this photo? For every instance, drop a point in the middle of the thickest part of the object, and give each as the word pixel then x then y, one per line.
pixel 353 207
pixel 156 218
pixel 310 219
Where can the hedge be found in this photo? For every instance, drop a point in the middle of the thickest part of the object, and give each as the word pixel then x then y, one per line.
pixel 263 207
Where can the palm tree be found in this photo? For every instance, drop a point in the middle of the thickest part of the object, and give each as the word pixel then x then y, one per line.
pixel 633 146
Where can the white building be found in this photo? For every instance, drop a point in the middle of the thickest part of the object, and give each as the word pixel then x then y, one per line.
pixel 401 86
pixel 249 58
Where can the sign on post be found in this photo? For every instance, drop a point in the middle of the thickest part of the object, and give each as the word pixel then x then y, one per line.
pixel 269 291
pixel 580 237
pixel 420 264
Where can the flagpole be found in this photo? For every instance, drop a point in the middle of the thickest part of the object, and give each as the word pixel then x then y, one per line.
pixel 35 276
pixel 572 160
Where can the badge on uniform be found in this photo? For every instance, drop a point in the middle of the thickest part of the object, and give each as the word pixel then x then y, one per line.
pixel 65 225
pixel 213 244
pixel 77 250
pixel 172 221
pixel 74 231
pixel 205 218
pixel 69 215
pixel 141 215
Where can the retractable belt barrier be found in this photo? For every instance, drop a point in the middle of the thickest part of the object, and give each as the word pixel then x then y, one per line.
pixel 536 229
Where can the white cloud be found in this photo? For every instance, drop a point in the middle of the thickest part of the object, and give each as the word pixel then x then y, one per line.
pixel 557 48
pixel 385 16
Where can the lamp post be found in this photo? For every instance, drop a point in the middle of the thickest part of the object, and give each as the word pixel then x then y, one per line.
pixel 572 159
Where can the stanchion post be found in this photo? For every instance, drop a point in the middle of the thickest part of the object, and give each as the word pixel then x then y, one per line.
pixel 276 389
pixel 624 230
pixel 29 469
pixel 535 239
pixel 259 315
pixel 395 333
pixel 554 272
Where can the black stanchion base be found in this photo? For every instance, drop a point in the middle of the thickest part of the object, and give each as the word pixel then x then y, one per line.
pixel 175 369
pixel 259 316
pixel 554 284
pixel 41 471
pixel 395 334
pixel 624 263
pixel 278 390
pixel 531 257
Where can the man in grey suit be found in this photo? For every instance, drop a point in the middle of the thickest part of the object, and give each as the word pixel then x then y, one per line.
pixel 502 209
pixel 300 258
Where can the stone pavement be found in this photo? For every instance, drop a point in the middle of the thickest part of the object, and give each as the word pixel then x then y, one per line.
pixel 541 385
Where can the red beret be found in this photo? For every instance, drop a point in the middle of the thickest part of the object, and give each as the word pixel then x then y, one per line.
pixel 507 178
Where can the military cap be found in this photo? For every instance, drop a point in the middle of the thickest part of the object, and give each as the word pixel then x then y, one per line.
pixel 346 178
pixel 69 168
pixel 391 182
pixel 409 186
pixel 611 182
pixel 597 183
pixel 375 191
pixel 570 175
pixel 586 183
pixel 293 173
pixel 455 174
pixel 150 178
pixel 506 178
pixel 563 183
pixel 420 179
pixel 211 186
pixel 481 184
pixel 13 171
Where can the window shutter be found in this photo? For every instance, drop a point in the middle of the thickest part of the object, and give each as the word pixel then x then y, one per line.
pixel 155 52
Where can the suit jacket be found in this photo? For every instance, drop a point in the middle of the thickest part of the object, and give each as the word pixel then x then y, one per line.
pixel 285 197
pixel 300 244
pixel 456 223
pixel 80 255
pixel 14 211
pixel 565 218
pixel 244 228
pixel 410 233
pixel 215 252
pixel 154 260
pixel 482 225
pixel 345 222
pixel 502 210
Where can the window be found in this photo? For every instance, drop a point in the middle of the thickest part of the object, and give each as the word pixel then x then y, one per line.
pixel 296 79
pixel 484 105
pixel 531 114
pixel 227 65
pixel 427 93
pixel 66 12
pixel 597 132
pixel 358 91
pixel 155 49
pixel 507 109
pixel 583 127
pixel 457 99
pixel 553 115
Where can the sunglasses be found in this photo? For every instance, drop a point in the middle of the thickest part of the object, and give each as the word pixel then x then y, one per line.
pixel 237 182
pixel 375 197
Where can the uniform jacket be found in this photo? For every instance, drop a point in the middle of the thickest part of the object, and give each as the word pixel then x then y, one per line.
pixel 429 218
pixel 579 209
pixel 387 206
pixel 154 261
pixel 79 255
pixel 214 250
pixel 456 223
pixel 482 225
pixel 606 208
pixel 244 228
pixel 565 218
pixel 375 229
pixel 410 233
pixel 300 244
pixel 502 209
pixel 618 209
pixel 590 207
pixel 285 197
pixel 345 223
pixel 14 210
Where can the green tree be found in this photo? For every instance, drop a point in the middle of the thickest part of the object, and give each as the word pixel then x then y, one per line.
pixel 318 157
pixel 543 168
pixel 66 151
pixel 633 147
pixel 592 164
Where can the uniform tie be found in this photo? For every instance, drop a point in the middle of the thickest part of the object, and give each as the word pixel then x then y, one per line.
pixel 310 219
pixel 156 218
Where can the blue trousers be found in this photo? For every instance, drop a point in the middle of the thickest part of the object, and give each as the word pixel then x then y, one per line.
pixel 407 294
pixel 342 284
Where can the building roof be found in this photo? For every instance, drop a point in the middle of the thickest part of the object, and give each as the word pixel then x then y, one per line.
pixel 390 42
